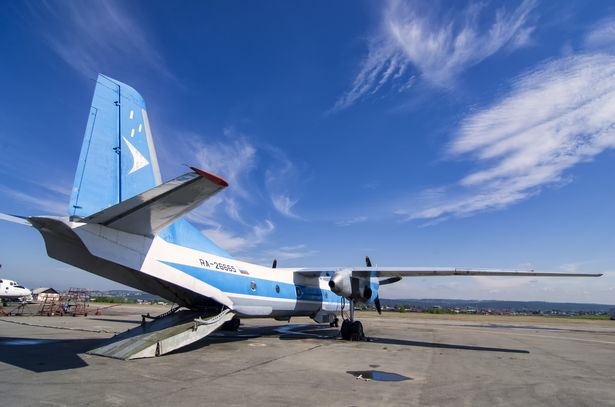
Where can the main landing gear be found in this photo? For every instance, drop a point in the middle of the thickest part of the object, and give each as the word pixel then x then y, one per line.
pixel 352 330
pixel 232 325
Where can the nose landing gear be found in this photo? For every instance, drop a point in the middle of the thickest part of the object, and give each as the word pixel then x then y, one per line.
pixel 352 330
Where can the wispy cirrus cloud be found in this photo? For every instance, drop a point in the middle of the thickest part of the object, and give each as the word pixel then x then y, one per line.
pixel 554 117
pixel 352 221
pixel 282 177
pixel 601 35
pixel 298 251
pixel 50 201
pixel 284 205
pixel 238 244
pixel 418 39
pixel 91 36
pixel 259 176
pixel 234 158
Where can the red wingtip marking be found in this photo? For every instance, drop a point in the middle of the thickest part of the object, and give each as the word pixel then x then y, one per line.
pixel 213 178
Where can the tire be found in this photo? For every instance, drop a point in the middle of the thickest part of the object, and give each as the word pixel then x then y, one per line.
pixel 345 330
pixel 232 325
pixel 356 331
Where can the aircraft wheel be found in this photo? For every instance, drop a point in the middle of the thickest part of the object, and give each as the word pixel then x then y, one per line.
pixel 232 325
pixel 356 331
pixel 345 330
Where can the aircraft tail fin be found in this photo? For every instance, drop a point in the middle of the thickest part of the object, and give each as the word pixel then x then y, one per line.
pixel 118 180
pixel 118 158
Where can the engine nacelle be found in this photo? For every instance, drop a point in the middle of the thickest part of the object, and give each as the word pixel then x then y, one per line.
pixel 353 288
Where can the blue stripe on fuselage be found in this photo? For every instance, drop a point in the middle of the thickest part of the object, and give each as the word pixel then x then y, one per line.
pixel 241 284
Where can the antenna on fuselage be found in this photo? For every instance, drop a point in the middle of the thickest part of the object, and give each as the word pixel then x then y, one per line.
pixel 275 263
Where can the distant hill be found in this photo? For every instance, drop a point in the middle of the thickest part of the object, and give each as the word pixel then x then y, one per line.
pixel 542 306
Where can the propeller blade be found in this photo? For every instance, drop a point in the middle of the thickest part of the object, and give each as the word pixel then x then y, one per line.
pixel 377 304
pixel 275 263
pixel 368 263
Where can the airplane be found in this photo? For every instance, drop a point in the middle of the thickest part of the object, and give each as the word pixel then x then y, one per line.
pixel 13 291
pixel 127 225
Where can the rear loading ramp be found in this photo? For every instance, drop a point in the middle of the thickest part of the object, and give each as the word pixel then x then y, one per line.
pixel 162 336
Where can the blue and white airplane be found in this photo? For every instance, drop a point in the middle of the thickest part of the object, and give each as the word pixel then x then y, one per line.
pixel 126 224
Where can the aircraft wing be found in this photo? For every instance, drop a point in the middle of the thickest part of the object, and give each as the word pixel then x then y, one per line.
pixel 153 210
pixel 393 274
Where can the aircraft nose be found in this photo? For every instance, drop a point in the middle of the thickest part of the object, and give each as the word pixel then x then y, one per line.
pixel 28 292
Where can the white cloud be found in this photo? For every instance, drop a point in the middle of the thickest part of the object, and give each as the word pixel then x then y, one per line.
pixel 556 116
pixel 280 178
pixel 233 157
pixel 352 221
pixel 46 201
pixel 442 47
pixel 257 235
pixel 89 36
pixel 601 36
pixel 384 61
pixel 437 44
pixel 284 205
pixel 253 172
pixel 292 252
pixel 258 176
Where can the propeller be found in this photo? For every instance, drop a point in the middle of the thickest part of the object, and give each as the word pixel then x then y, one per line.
pixel 275 263
pixel 368 263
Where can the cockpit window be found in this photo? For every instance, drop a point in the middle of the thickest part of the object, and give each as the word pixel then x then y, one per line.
pixel 19 286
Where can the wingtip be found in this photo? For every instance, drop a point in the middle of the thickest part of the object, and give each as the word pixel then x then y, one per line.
pixel 212 177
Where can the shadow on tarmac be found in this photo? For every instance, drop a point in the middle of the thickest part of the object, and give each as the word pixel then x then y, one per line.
pixel 45 355
pixel 405 342
pixel 48 355
pixel 324 332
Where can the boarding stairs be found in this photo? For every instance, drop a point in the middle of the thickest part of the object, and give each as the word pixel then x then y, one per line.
pixel 162 335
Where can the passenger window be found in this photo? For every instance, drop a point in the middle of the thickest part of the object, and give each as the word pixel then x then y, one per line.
pixel 298 290
pixel 253 286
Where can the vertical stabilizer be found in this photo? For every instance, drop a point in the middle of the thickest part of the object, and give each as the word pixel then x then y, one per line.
pixel 118 159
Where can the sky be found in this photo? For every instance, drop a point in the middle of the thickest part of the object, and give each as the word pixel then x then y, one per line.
pixel 465 133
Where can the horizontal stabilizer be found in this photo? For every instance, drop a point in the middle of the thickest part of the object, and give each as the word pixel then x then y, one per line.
pixel 153 210
pixel 15 219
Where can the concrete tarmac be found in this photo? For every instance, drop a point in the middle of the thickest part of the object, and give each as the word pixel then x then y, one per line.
pixel 470 361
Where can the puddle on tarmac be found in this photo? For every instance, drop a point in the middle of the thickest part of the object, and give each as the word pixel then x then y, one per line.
pixel 24 342
pixel 378 376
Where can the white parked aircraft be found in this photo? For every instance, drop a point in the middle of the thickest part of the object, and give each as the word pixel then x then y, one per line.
pixel 126 225
pixel 13 291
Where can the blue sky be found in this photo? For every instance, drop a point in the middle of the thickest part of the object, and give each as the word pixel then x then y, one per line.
pixel 443 134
